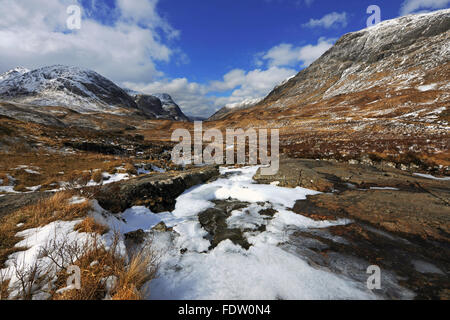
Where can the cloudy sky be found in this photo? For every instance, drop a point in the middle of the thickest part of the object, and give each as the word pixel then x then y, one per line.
pixel 205 53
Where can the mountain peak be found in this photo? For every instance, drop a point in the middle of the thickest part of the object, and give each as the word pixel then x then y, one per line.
pixel 13 73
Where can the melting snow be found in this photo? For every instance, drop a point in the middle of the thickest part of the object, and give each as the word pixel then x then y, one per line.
pixel 429 176
pixel 265 271
pixel 427 87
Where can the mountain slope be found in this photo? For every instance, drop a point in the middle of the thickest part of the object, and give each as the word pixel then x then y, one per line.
pixel 159 106
pixel 78 89
pixel 230 108
pixel 382 90
pixel 13 73
pixel 171 107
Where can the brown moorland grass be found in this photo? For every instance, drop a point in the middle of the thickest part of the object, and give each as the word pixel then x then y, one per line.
pixel 55 167
pixel 45 211
pixel 99 266
pixel 89 225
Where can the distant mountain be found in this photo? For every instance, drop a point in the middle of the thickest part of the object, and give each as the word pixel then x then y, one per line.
pixel 13 73
pixel 81 90
pixel 408 53
pixel 233 107
pixel 161 105
pixel 171 107
pixel 75 88
pixel 196 118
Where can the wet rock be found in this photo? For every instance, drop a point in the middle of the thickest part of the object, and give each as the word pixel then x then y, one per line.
pixel 309 209
pixel 136 237
pixel 12 202
pixel 327 176
pixel 270 212
pixel 213 220
pixel 161 227
pixel 156 191
pixel 414 214
pixel 364 246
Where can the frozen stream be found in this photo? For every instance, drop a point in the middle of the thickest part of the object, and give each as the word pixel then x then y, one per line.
pixel 270 269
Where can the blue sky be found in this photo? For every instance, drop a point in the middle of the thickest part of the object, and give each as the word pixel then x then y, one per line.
pixel 205 53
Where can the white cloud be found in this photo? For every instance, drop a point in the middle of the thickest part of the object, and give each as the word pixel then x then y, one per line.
pixel 333 19
pixel 33 33
pixel 410 6
pixel 126 49
pixel 286 54
pixel 250 85
pixel 190 96
pixel 202 100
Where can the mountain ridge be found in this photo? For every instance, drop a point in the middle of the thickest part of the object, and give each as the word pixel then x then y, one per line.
pixel 78 89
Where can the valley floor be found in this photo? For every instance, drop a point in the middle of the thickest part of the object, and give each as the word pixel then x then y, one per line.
pixel 234 238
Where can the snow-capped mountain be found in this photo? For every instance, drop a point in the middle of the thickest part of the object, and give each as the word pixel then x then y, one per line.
pixel 75 88
pixel 81 90
pixel 160 105
pixel 13 73
pixel 233 107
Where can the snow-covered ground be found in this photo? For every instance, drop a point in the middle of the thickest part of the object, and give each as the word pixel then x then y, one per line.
pixel 190 269
pixel 265 271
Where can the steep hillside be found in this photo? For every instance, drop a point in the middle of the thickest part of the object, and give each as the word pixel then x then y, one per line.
pixel 382 91
pixel 230 108
pixel 158 106
pixel 171 107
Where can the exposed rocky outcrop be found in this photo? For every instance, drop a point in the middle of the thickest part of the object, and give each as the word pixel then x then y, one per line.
pixel 213 220
pixel 328 176
pixel 12 202
pixel 150 105
pixel 414 214
pixel 394 200
pixel 173 110
pixel 157 191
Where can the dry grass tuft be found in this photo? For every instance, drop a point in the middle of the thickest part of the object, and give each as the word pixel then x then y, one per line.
pixel 4 287
pixel 89 225
pixel 141 269
pixel 45 211
pixel 106 274
pixel 130 169
pixel 97 176
pixel 57 207
pixel 127 294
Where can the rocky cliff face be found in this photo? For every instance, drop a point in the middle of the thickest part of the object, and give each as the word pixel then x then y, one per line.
pixel 150 105
pixel 159 106
pixel 382 90
pixel 171 107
